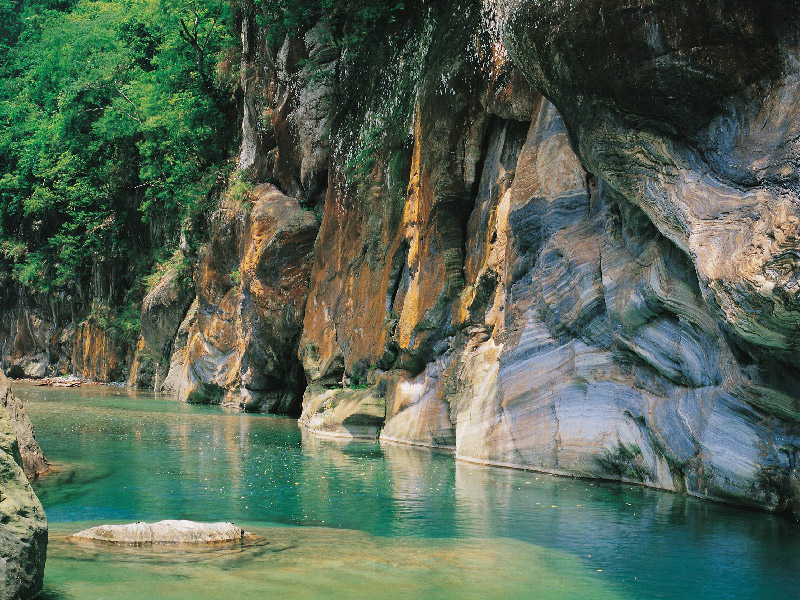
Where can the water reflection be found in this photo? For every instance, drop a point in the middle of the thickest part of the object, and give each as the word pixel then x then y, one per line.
pixel 392 512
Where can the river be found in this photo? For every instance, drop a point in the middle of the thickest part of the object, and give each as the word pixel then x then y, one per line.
pixel 366 520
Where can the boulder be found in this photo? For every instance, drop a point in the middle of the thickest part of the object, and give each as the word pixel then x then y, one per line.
pixel 164 532
pixel 23 535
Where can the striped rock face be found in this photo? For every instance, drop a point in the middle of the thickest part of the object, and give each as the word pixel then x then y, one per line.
pixel 689 112
pixel 599 282
pixel 237 343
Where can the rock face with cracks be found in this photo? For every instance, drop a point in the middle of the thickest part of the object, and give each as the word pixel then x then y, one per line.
pixel 581 254
pixel 23 525
pixel 598 282
pixel 237 343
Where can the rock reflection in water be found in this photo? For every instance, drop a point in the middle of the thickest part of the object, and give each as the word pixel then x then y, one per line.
pixel 368 518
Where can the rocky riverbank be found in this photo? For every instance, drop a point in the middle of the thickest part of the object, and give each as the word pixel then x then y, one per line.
pixel 23 533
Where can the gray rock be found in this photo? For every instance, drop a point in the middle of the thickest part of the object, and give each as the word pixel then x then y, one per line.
pixel 609 293
pixel 164 532
pixel 33 460
pixel 163 310
pixel 23 525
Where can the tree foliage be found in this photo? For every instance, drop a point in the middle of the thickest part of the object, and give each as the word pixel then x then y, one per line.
pixel 116 128
pixel 113 130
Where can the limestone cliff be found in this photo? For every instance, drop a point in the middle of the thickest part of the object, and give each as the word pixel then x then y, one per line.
pixel 627 311
pixel 23 525
pixel 237 345
pixel 40 340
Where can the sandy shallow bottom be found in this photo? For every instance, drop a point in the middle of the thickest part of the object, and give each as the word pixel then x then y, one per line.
pixel 314 562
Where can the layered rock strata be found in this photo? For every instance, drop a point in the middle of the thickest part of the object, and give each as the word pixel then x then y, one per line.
pixel 624 312
pixel 579 255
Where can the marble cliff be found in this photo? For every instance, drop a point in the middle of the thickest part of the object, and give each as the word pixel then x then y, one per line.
pixel 592 269
pixel 579 255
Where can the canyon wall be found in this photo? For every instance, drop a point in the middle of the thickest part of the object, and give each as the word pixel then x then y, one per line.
pixel 575 252
pixel 601 281
pixel 40 341
pixel 237 343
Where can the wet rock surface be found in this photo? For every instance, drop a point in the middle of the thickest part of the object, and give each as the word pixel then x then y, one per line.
pixel 164 532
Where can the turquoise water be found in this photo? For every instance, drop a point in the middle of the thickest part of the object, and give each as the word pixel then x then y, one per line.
pixel 364 520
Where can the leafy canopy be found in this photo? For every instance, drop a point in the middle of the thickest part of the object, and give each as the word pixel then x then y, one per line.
pixel 113 130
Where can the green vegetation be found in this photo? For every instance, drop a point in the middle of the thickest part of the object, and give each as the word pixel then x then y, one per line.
pixel 352 22
pixel 380 48
pixel 625 462
pixel 118 120
pixel 359 377
pixel 113 135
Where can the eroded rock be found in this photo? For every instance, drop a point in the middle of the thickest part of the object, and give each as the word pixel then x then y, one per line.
pixel 23 529
pixel 237 345
pixel 163 310
pixel 602 311
pixel 164 532
pixel 32 458
pixel 39 343
pixel 690 112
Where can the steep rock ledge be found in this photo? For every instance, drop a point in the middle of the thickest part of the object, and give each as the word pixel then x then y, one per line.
pixel 691 113
pixel 578 255
pixel 237 344
pixel 576 314
pixel 41 341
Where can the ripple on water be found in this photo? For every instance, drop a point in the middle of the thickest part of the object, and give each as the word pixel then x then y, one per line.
pixel 364 520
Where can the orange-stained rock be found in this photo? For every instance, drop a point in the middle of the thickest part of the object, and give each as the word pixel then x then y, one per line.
pixel 239 344
pixel 98 355
pixel 499 298
pixel 37 346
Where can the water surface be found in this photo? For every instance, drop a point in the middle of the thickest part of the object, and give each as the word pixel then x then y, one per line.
pixel 364 520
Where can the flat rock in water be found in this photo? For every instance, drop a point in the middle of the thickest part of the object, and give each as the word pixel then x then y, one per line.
pixel 164 532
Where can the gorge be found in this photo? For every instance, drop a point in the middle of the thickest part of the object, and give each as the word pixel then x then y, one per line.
pixel 556 236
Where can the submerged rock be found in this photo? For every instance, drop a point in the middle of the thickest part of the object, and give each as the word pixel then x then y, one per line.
pixel 164 532
pixel 23 525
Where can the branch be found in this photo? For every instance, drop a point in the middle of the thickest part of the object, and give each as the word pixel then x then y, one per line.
pixel 137 116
